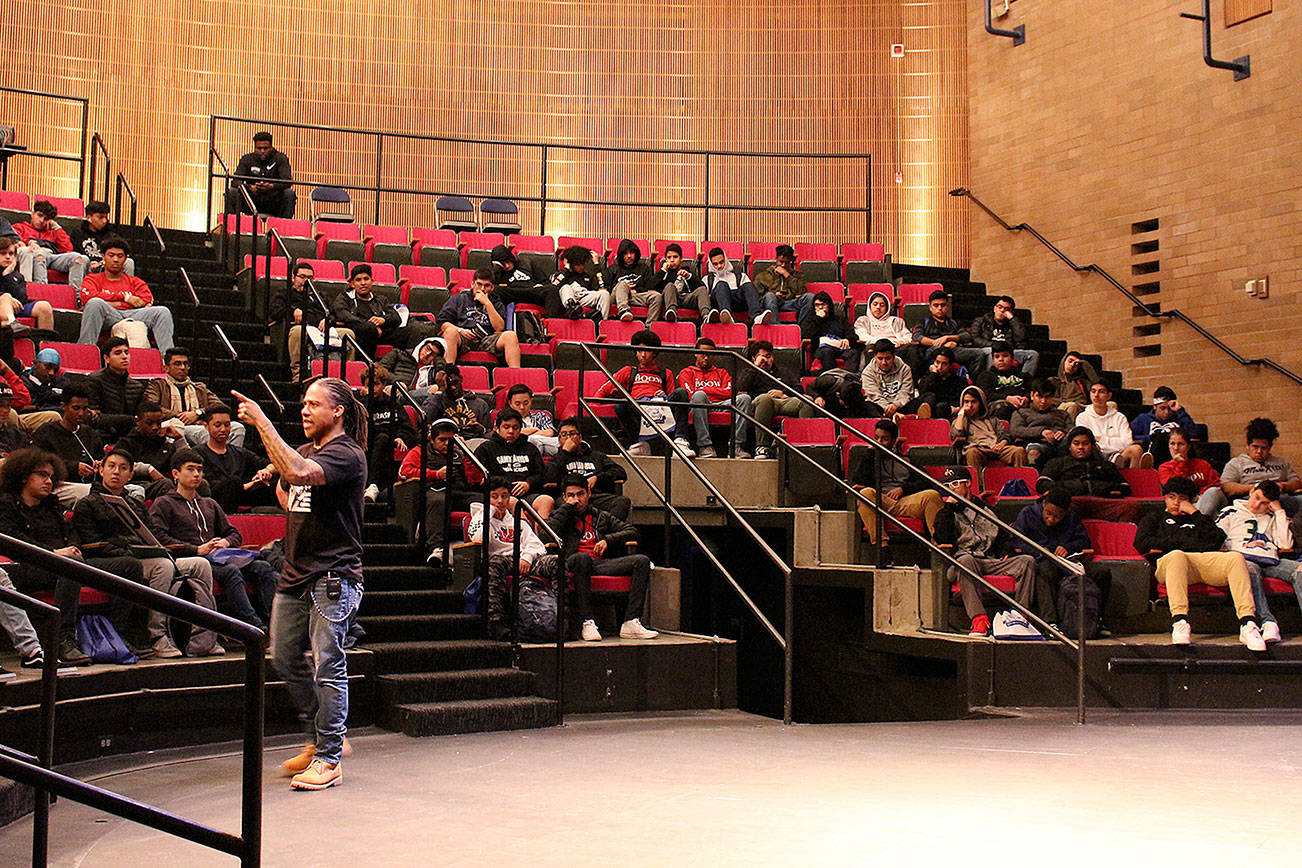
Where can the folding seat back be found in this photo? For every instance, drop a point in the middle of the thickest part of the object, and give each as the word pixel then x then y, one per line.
pixel 455 213
pixel 298 239
pixel 925 432
pixel 331 204
pixel 866 263
pixel 725 334
pixel 342 241
pixel 690 251
pixel 76 358
pixel 535 378
pixel 424 276
pixel 477 247
pixel 145 362
pixel 993 479
pixel 61 296
pixel 391 244
pixel 459 279
pixel 258 530
pixel 817 261
pixel 731 249
pixel 677 334
pixel 475 378
pixel 917 293
pixel 14 206
pixel 499 215
pixel 353 371
pixel 613 331
pixel 71 211
pixel 782 335
pixel 1144 482
pixel 834 289
pixel 1113 540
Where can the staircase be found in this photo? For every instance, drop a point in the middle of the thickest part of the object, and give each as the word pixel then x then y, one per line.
pixel 437 674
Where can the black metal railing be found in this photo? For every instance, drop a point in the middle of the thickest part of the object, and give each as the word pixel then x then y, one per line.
pixel 6 153
pixel 194 300
pixel 522 506
pixel 1139 303
pixel 540 192
pixel 230 350
pixel 35 771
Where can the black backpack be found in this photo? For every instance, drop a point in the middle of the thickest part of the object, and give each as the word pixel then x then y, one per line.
pixel 1069 593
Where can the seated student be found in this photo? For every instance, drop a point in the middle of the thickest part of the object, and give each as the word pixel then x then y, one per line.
pixel 878 324
pixel 539 425
pixel 630 280
pixel 587 535
pixel 516 285
pixel 1151 429
pixel 88 236
pixel 1075 376
pixel 941 386
pixel 1203 474
pixel 406 366
pixel 191 525
pixel 18 627
pixel 300 310
pixel 184 400
pixel 389 429
pixel 1257 528
pixel 782 287
pixel 1257 464
pixel 1004 384
pixel 534 559
pixel 13 292
pixel 29 511
pixel 767 400
pixel 235 476
pixel 1054 525
pixel 708 387
pixel 1001 326
pixel 730 290
pixel 980 435
pixel 12 436
pixel 840 393
pixel 75 443
pixel 266 174
pixel 509 453
pixel 938 329
pixel 888 384
pixel 679 286
pixel 50 247
pixel 114 393
pixel 152 452
pixel 1111 430
pixel 579 285
pixel 111 296
pixel 93 519
pixel 468 409
pixel 904 493
pixel 45 385
pixel 576 457
pixel 1040 427
pixel 438 486
pixel 368 316
pixel 831 339
pixel 476 320
pixel 647 382
pixel 1083 471
pixel 981 546
pixel 1187 545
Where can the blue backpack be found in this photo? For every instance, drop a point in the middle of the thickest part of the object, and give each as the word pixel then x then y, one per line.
pixel 100 641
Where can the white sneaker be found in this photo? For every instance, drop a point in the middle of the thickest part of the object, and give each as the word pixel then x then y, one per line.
pixel 725 316
pixel 681 443
pixel 372 492
pixel 626 316
pixel 712 317
pixel 705 452
pixel 1270 632
pixel 671 315
pixel 1250 635
pixel 590 631
pixel 641 447
pixel 1182 632
pixel 764 318
pixel 742 453
pixel 634 630
pixel 763 452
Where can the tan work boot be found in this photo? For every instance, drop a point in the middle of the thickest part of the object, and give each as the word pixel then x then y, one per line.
pixel 320 775
pixel 299 764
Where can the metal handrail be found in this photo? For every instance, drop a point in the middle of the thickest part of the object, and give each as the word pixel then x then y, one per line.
pixel 271 393
pixel 235 357
pixel 282 251
pixel 194 299
pixel 248 844
pixel 467 452
pixel 80 159
pixel 158 237
pixel 97 144
pixel 561 586
pixel 329 320
pixel 1151 312
pixel 120 185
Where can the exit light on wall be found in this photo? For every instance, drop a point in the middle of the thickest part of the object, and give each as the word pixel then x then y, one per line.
pixel 899 176
pixel 897 49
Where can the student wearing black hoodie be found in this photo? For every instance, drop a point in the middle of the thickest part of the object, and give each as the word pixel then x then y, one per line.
pixel 576 457
pixel 515 284
pixel 632 283
pixel 830 335
pixel 680 286
pixel 1084 470
pixel 510 454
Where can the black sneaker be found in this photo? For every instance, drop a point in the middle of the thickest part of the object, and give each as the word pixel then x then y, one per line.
pixel 671 315
pixel 35 661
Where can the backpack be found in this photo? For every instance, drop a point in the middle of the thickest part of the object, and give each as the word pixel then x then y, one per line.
pixel 528 328
pixel 99 640
pixel 1069 592
pixel 1015 488
pixel 195 642
pixel 472 597
pixel 537 611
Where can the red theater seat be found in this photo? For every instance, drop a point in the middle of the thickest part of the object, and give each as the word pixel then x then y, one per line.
pixel 916 293
pixel 342 241
pixel 391 244
pixel 258 530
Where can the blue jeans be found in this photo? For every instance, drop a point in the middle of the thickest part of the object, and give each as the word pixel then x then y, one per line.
pixel 1028 359
pixel 727 298
pixel 299 624
pixel 701 415
pixel 800 304
pixel 1285 570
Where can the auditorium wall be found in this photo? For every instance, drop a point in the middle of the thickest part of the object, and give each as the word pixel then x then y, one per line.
pixel 800 77
pixel 1107 118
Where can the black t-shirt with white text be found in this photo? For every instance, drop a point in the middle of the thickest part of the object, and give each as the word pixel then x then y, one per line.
pixel 323 527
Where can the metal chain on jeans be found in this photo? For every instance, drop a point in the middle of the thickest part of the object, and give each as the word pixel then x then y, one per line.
pixel 347 590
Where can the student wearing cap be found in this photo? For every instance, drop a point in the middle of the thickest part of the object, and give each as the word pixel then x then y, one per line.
pixel 1152 429
pixel 443 478
pixel 981 546
pixel 45 385
pixel 1186 547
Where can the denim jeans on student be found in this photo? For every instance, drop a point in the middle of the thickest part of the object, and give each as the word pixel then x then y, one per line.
pixel 1286 570
pixel 700 412
pixel 311 622
pixel 1028 360
pixel 17 625
pixel 727 298
pixel 800 304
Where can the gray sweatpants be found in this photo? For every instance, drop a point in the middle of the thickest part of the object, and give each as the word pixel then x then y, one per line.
pixel 1020 567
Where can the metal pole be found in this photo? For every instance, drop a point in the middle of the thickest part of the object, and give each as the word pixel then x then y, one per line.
pixel 516 577
pixel 49 635
pixel 81 165
pixel 1080 649
pixel 447 502
pixel 254 712
pixel 379 172
pixel 212 132
pixel 542 206
pixel 877 513
pixel 788 656
pixel 669 493
pixel 706 197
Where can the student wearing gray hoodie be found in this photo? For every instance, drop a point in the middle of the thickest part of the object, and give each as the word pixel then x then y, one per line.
pixel 982 436
pixel 730 288
pixel 888 384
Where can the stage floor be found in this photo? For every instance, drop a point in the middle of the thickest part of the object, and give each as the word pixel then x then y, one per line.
pixel 1168 788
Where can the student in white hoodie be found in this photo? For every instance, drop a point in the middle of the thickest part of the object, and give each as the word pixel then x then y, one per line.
pixel 731 289
pixel 534 559
pixel 878 323
pixel 1257 528
pixel 1111 430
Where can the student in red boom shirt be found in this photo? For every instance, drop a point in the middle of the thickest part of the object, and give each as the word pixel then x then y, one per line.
pixel 647 382
pixel 708 387
pixel 112 295
pixel 1183 464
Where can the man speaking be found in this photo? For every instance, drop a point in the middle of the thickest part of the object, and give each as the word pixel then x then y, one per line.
pixel 321 486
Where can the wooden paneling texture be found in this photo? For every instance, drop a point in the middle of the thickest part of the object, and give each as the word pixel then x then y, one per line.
pixel 785 76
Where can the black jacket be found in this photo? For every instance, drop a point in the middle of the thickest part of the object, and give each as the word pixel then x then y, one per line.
pixel 565 521
pixel 349 310
pixel 815 327
pixel 638 274
pixel 518 462
pixel 15 285
pixel 53 437
pixel 41 525
pixel 93 519
pixel 400 363
pixel 586 462
pixel 1000 384
pixel 1094 476
pixel 1163 532
pixel 155 451
pixel 468 410
pixel 45 396
pixel 288 299
pixel 948 390
pixel 751 383
pixel 87 242
pixel 842 393
pixel 985 331
pixel 113 393
pixel 894 474
pixel 273 167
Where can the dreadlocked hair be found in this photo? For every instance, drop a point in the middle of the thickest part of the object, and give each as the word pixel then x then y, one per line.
pixel 340 394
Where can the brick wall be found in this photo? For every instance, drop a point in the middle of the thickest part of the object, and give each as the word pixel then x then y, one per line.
pixel 1107 116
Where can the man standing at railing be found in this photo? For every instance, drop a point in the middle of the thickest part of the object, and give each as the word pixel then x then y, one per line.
pixel 265 172
pixel 321 582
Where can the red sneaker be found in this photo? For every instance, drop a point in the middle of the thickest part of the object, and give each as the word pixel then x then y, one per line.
pixel 980 626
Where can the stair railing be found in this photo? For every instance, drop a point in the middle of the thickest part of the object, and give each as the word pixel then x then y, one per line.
pixel 230 349
pixel 522 506
pixel 1148 311
pixel 467 454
